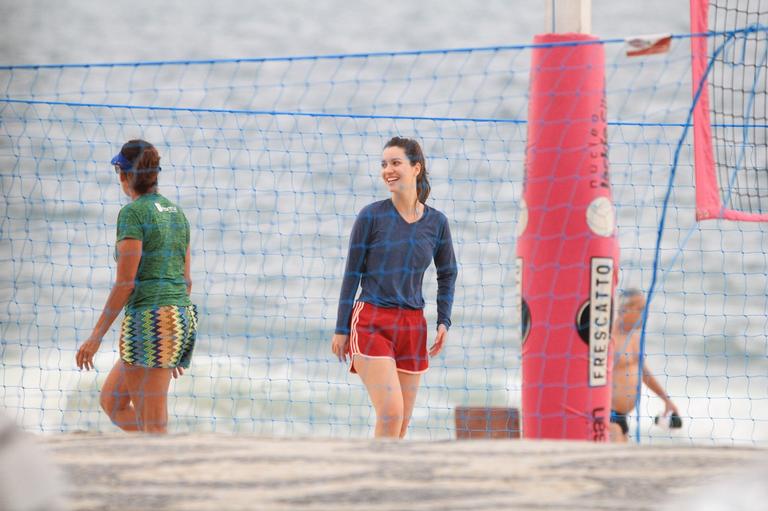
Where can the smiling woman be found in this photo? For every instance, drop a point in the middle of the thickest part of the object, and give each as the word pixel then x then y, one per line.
pixel 392 244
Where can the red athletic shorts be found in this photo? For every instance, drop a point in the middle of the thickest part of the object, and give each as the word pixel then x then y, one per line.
pixel 382 332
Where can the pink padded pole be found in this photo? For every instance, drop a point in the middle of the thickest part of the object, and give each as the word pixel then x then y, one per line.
pixel 567 249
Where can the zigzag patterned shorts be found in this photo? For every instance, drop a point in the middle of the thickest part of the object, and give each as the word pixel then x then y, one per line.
pixel 160 337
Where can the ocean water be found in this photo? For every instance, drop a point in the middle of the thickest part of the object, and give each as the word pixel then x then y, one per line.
pixel 271 199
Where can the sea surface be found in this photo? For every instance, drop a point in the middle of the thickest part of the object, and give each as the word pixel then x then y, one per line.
pixel 271 156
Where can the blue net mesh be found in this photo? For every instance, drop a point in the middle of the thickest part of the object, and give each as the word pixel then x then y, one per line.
pixel 271 159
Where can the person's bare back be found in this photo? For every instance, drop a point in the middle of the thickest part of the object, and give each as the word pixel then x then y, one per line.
pixel 625 339
pixel 626 353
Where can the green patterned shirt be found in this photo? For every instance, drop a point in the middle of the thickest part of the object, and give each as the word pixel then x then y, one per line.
pixel 164 232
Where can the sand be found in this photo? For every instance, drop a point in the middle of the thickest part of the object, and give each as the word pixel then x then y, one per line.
pixel 222 472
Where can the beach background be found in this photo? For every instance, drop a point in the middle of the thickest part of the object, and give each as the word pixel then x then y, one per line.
pixel 271 199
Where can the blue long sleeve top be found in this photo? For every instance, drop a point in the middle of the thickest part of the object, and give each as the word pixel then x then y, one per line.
pixel 388 258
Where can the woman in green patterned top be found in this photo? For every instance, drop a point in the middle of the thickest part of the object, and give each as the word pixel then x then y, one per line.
pixel 153 285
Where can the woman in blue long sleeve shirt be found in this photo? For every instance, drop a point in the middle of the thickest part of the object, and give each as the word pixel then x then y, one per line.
pixel 384 332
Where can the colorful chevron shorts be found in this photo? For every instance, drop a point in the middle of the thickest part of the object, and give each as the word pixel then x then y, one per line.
pixel 159 337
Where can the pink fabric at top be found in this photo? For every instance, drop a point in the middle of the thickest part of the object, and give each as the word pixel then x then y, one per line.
pixel 707 194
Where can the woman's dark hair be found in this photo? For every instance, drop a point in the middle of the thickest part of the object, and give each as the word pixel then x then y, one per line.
pixel 145 164
pixel 415 155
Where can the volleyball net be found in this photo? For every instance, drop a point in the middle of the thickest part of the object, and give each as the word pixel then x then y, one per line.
pixel 730 73
pixel 271 159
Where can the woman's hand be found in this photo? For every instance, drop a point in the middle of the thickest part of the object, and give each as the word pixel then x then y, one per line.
pixel 86 352
pixel 128 259
pixel 177 371
pixel 669 407
pixel 442 334
pixel 339 346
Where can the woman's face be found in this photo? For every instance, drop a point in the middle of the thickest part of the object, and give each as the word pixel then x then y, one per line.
pixel 396 170
pixel 124 181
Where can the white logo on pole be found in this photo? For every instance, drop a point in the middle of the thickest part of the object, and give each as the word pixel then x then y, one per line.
pixel 601 217
pixel 522 218
pixel 519 286
pixel 600 287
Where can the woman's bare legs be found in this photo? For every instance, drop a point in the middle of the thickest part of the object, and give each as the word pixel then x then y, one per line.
pixel 115 399
pixel 148 388
pixel 392 392
pixel 409 385
pixel 381 379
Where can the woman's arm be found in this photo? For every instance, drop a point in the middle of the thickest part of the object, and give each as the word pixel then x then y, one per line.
pixel 129 256
pixel 353 272
pixel 187 272
pixel 447 272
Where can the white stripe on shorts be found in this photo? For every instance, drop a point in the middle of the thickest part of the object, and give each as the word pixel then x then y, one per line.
pixel 354 348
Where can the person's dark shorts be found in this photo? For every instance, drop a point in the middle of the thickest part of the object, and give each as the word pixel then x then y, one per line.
pixel 621 420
